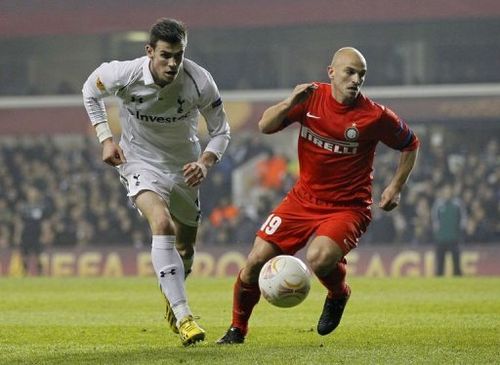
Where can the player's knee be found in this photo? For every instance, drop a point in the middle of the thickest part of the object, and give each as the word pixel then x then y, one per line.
pixel 322 258
pixel 316 259
pixel 261 252
pixel 251 271
pixel 162 224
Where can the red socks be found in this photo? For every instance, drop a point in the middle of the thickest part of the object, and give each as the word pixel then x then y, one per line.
pixel 335 281
pixel 245 297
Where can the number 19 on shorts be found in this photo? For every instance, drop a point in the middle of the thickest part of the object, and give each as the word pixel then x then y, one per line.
pixel 271 224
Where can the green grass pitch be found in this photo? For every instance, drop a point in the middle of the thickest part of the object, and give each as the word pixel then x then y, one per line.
pixel 119 321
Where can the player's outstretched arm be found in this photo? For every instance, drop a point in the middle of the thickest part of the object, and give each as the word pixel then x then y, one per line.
pixel 274 116
pixel 392 193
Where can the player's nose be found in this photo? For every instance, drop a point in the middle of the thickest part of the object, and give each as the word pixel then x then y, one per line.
pixel 172 63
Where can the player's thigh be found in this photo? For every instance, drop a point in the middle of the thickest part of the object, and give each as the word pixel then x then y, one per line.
pixel 184 205
pixel 148 191
pixel 261 252
pixel 289 226
pixel 155 210
pixel 344 228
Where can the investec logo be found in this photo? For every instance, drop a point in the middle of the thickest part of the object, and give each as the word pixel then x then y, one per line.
pixel 156 119
pixel 332 145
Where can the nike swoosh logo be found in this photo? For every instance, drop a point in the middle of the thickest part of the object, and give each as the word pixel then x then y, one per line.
pixel 312 116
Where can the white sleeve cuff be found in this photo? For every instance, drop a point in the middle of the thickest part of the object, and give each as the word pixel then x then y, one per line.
pixel 103 131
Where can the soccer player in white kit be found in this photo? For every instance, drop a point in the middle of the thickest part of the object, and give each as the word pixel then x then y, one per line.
pixel 159 157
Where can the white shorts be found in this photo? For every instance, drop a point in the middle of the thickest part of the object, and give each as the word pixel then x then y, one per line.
pixel 182 200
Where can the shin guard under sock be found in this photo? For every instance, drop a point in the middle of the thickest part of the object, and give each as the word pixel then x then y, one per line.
pixel 335 280
pixel 245 297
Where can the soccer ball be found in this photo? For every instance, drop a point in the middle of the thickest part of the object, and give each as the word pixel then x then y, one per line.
pixel 284 281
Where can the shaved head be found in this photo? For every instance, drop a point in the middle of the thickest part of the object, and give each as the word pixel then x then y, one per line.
pixel 347 74
pixel 349 55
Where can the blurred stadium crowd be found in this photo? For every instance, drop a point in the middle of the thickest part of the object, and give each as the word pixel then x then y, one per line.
pixel 57 189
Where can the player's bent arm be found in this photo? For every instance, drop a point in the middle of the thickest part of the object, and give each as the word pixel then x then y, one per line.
pixel 103 131
pixel 274 116
pixel 208 159
pixel 102 82
pixel 218 128
pixel 112 154
pixel 392 193
pixel 93 100
pixel 195 172
pixel 405 166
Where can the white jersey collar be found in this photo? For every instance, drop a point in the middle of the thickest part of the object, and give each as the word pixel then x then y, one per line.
pixel 146 72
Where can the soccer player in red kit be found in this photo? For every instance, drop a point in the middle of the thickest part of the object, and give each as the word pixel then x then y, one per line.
pixel 330 205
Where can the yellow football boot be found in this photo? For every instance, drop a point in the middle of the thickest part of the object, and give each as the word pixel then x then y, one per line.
pixel 169 315
pixel 190 332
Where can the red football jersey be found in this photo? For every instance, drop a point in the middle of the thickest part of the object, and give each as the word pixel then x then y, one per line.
pixel 337 145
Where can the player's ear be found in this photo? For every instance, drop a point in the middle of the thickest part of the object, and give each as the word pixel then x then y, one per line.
pixel 149 50
pixel 330 71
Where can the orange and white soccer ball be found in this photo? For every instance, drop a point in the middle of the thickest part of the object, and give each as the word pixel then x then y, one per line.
pixel 284 281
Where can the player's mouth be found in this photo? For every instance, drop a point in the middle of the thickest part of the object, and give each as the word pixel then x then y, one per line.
pixel 353 89
pixel 171 73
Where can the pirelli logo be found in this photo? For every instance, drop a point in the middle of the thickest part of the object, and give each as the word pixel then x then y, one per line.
pixel 332 145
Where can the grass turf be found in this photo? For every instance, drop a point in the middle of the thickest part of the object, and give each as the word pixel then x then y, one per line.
pixel 119 321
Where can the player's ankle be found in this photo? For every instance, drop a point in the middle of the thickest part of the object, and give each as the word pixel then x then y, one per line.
pixel 243 328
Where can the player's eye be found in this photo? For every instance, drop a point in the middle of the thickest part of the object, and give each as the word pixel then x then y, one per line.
pixel 177 56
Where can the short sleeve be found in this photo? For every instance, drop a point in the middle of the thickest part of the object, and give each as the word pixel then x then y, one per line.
pixel 395 132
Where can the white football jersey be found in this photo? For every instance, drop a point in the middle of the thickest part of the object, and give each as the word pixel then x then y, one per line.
pixel 159 125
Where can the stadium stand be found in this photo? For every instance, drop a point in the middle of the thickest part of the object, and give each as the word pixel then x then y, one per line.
pixel 81 195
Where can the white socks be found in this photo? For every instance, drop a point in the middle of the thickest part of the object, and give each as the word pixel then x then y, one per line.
pixel 169 269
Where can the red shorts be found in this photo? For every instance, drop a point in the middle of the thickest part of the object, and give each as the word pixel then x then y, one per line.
pixel 298 218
